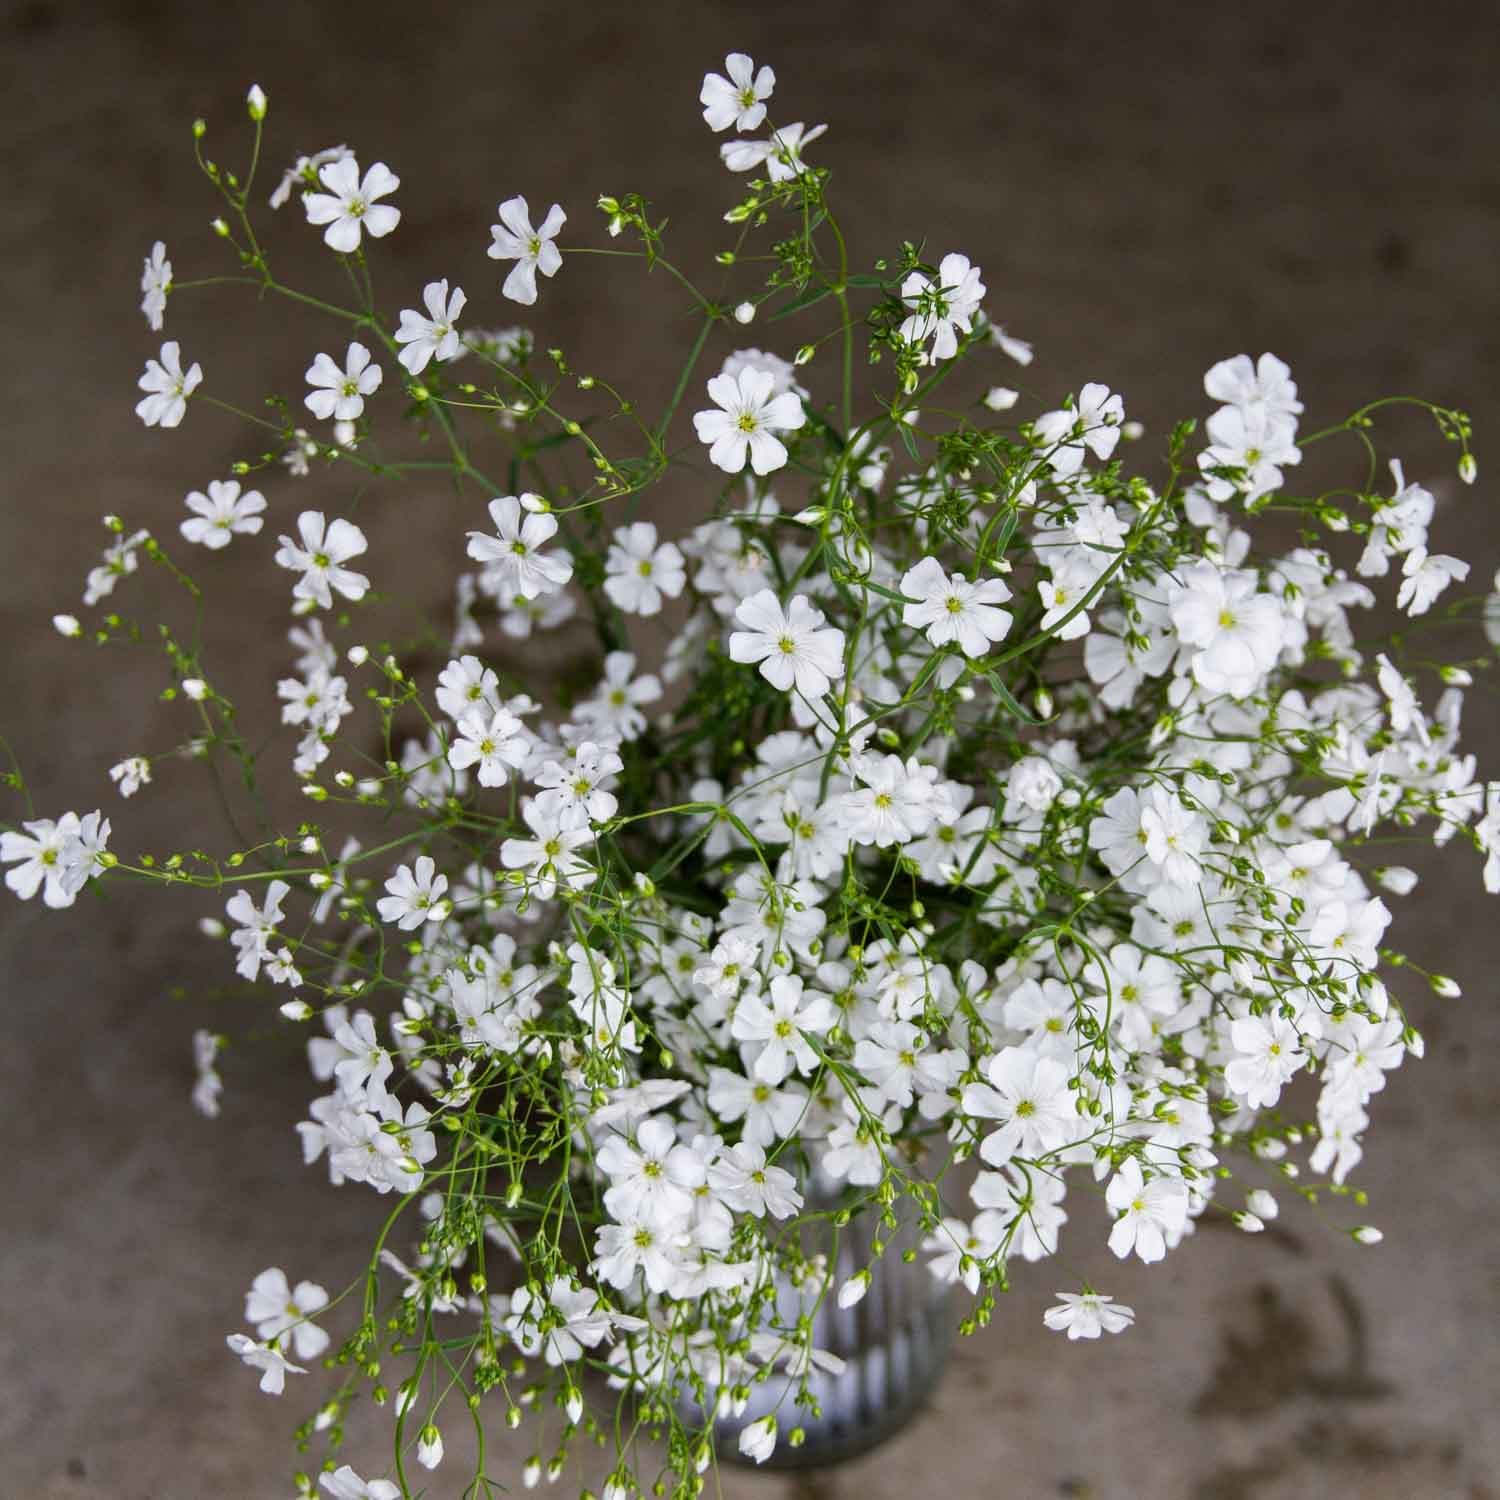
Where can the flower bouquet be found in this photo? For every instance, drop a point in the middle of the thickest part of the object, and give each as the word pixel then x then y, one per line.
pixel 953 825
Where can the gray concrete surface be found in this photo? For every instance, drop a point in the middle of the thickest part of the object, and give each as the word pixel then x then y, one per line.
pixel 1147 189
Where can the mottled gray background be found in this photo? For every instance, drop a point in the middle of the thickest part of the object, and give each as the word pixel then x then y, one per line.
pixel 1148 189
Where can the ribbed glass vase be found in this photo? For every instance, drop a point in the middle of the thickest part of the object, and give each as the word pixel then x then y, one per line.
pixel 894 1342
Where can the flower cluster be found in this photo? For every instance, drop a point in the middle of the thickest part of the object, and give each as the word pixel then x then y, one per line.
pixel 987 840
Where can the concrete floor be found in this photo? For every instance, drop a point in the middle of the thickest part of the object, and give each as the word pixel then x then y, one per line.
pixel 1147 189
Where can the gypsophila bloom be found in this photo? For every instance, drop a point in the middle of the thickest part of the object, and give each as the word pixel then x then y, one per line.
pixel 131 774
pixel 953 609
pixel 639 573
pixel 1053 829
pixel 794 650
pixel 514 560
pixel 345 1484
pixel 283 1316
pixel 780 154
pixel 340 393
pixel 943 306
pixel 156 282
pixel 745 426
pixel 273 1365
pixel 434 335
pixel 415 896
pixel 533 250
pixel 739 99
pixel 223 513
pixel 167 388
pixel 350 206
pixel 1085 1315
pixel 319 554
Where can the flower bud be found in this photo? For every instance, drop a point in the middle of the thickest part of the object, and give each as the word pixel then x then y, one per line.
pixel 297 1010
pixel 255 101
pixel 1444 986
pixel 1001 398
pixel 745 313
pixel 854 1289
pixel 66 625
pixel 220 228
pixel 1262 1204
pixel 1397 879
pixel 1366 1234
pixel 1468 468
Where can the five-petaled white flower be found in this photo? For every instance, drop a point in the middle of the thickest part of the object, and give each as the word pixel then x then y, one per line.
pixel 1029 1094
pixel 1150 1215
pixel 325 547
pixel 953 609
pixel 514 563
pixel 495 742
pixel 156 282
pixel 638 572
pixel 345 1484
pixel 167 387
pixel 780 1022
pixel 748 418
pixel 793 646
pixel 1093 424
pixel 340 394
pixel 532 250
pixel 223 513
pixel 942 307
pixel 270 1361
pixel 781 154
pixel 738 100
pixel 1085 1315
pixel 415 896
pixel 432 337
pixel 349 207
pixel 275 1309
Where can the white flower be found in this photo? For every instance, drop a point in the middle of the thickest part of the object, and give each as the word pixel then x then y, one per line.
pixel 272 1364
pixel 256 926
pixel 533 250
pixel 223 513
pixel 324 549
pixel 156 282
pixel 1085 1315
pixel 1424 577
pixel 275 1309
pixel 638 572
pixel 614 712
pixel 340 394
pixel 1029 1094
pixel 793 647
pixel 1093 425
pixel 748 1185
pixel 781 155
pixel 944 307
pixel 758 1441
pixel 574 789
pixel 347 1485
pixel 56 858
pixel 1265 383
pixel 305 171
pixel 350 207
pixel 416 896
pixel 131 774
pixel 514 560
pixel 1150 1215
pixel 1237 632
pixel 739 99
pixel 953 609
pixel 433 336
pixel 743 429
pixel 1268 1051
pixel 167 388
pixel 494 741
pixel 781 1023
pixel 429 1447
pixel 548 857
